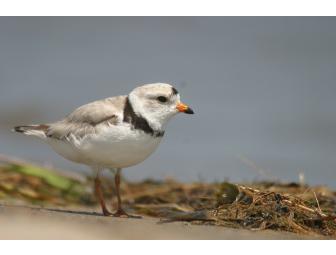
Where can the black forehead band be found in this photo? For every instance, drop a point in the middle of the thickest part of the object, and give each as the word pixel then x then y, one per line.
pixel 175 92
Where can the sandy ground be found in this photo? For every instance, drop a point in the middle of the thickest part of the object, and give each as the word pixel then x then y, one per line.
pixel 22 222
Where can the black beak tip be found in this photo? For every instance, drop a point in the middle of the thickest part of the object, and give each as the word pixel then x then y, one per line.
pixel 189 111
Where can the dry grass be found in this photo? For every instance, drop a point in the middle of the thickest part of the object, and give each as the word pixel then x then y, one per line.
pixel 285 207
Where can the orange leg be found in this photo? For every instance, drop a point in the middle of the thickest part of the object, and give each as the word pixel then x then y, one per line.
pixel 120 211
pixel 100 196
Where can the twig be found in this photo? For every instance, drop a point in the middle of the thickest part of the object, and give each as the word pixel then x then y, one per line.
pixel 162 206
pixel 298 228
pixel 188 216
pixel 306 208
pixel 318 211
pixel 248 188
pixel 261 171
pixel 318 204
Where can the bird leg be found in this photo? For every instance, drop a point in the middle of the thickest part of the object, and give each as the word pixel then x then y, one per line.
pixel 100 196
pixel 120 211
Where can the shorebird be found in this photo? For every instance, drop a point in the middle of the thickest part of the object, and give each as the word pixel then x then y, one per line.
pixel 113 133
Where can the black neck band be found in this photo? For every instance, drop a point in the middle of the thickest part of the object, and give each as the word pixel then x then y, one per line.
pixel 138 122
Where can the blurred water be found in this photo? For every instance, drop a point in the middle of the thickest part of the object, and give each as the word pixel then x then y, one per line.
pixel 263 89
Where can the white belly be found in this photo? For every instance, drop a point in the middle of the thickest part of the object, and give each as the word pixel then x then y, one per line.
pixel 113 147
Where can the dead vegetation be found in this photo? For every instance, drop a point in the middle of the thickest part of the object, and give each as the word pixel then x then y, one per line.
pixel 286 207
pixel 258 206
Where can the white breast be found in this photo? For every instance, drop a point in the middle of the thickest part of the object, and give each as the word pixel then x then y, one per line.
pixel 112 147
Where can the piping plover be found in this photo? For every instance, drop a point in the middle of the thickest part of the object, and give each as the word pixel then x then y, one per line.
pixel 113 133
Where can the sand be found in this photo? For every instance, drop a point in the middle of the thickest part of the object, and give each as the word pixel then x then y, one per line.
pixel 24 222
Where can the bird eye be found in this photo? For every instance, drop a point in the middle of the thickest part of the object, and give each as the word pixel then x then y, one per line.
pixel 162 99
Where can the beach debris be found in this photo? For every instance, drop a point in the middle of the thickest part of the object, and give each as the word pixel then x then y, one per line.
pixel 227 193
pixel 37 185
pixel 201 215
pixel 259 206
pixel 293 207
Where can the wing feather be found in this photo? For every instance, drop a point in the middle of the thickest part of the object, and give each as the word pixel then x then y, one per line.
pixel 87 119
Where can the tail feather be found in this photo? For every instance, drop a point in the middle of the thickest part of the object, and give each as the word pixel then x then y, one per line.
pixel 36 130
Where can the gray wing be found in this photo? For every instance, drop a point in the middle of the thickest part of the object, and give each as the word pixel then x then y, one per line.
pixel 88 118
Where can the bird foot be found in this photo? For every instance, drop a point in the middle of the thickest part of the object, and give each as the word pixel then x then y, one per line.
pixel 107 212
pixel 122 214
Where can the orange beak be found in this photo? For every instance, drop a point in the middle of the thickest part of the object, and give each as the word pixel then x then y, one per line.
pixel 184 108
